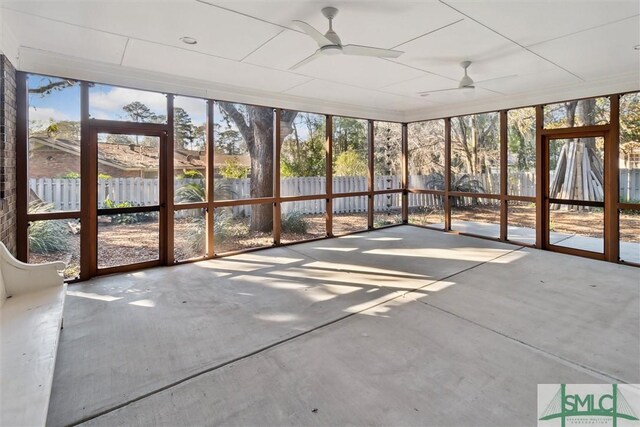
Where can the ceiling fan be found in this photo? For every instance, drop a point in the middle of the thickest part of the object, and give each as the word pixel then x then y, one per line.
pixel 466 82
pixel 330 44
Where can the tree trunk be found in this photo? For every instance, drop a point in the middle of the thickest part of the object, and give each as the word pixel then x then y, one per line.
pixel 261 152
pixel 256 127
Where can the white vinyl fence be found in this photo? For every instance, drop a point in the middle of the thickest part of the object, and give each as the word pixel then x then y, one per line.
pixel 64 194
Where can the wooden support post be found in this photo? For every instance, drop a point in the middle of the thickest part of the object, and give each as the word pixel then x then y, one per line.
pixel 504 171
pixel 405 174
pixel 612 185
pixel 277 208
pixel 22 162
pixel 167 256
pixel 210 152
pixel 447 174
pixel 541 183
pixel 328 145
pixel 370 183
pixel 88 184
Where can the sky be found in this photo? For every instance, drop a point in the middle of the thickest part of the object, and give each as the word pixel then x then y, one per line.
pixel 105 102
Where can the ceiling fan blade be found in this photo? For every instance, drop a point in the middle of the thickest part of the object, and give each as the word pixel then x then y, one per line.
pixel 305 61
pixel 497 78
pixel 354 49
pixel 428 92
pixel 313 33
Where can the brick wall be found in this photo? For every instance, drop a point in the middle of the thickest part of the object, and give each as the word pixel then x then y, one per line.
pixel 8 154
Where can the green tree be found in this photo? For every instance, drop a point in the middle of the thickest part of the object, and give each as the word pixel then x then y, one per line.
pixel 630 117
pixel 350 163
pixel 522 137
pixel 139 112
pixel 349 134
pixel 186 134
pixel 303 148
pixel 228 139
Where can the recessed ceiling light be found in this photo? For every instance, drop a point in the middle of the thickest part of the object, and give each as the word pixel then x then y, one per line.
pixel 637 47
pixel 188 40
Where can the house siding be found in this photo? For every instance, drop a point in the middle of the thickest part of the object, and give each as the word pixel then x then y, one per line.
pixel 8 110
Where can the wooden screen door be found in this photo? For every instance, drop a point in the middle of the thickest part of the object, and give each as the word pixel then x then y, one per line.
pixel 129 205
pixel 575 193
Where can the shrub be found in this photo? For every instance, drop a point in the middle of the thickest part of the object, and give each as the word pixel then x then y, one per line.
pixel 190 174
pixel 232 169
pixel 464 183
pixel 222 221
pixel 71 175
pixel 295 223
pixel 127 218
pixel 195 192
pixel 103 176
pixel 197 236
pixel 46 236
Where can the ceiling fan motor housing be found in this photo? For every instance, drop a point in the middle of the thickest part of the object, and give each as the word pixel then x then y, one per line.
pixel 331 49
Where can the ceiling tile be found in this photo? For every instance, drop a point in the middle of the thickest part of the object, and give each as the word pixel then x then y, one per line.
pixel 492 56
pixel 218 32
pixel 335 92
pixel 65 39
pixel 365 72
pixel 381 24
pixel 184 63
pixel 413 87
pixel 460 96
pixel 598 53
pixel 283 51
pixel 529 22
pixel 541 81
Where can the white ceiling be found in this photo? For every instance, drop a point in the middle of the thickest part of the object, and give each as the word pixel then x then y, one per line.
pixel 550 50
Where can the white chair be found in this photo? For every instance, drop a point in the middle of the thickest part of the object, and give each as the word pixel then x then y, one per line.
pixel 17 277
pixel 31 303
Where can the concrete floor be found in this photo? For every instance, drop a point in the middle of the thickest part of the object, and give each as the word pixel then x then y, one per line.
pixel 629 251
pixel 402 326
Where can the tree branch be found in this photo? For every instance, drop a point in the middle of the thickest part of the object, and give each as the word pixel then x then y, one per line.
pixel 53 85
pixel 239 120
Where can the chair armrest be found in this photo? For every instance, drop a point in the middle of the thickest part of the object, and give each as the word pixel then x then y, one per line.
pixel 20 277
pixel 57 265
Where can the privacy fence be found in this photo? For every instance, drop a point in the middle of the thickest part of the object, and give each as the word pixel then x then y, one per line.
pixel 64 194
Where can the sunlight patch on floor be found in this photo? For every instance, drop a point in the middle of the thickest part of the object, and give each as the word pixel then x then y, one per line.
pixel 90 295
pixel 144 303
pixel 336 249
pixel 278 317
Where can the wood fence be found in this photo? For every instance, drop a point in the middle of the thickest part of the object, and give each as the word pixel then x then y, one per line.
pixel 64 194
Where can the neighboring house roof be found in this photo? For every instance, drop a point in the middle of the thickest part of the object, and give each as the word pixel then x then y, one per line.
pixel 137 157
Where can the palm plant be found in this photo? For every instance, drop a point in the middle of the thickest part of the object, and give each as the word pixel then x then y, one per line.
pixel 196 192
pixel 463 183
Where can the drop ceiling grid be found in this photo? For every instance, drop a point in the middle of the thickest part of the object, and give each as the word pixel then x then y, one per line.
pixel 78 42
pixel 552 19
pixel 600 51
pixel 144 55
pixel 262 58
